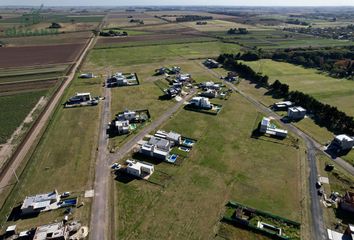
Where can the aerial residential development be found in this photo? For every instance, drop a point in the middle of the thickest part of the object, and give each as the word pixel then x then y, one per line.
pixel 189 120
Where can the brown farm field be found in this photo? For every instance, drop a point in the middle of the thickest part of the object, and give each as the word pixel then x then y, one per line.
pixel 38 55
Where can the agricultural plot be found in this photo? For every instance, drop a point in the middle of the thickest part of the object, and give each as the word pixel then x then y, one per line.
pixel 123 19
pixel 217 26
pixel 63 160
pixel 198 189
pixel 14 109
pixel 336 92
pixel 38 55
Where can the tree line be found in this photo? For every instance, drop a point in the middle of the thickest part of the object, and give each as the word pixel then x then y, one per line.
pixel 338 62
pixel 190 18
pixel 323 114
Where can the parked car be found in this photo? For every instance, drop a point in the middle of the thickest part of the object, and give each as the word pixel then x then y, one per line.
pixel 116 166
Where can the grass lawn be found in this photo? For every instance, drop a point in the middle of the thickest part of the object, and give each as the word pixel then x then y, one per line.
pixel 336 92
pixel 192 201
pixel 64 157
pixel 14 109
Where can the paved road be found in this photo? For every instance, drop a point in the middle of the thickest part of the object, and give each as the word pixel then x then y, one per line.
pixel 36 132
pixel 318 227
pixel 100 211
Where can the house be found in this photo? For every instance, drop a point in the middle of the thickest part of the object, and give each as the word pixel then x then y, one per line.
pixel 127 115
pixel 267 127
pixel 87 75
pixel 347 202
pixel 160 143
pixel 209 85
pixel 347 235
pixel 139 169
pixel 296 112
pixel 174 138
pixel 122 127
pixel 231 76
pixel 183 77
pixel 55 231
pixel 343 141
pixel 79 98
pixel 211 63
pixel 118 79
pixel 173 91
pixel 282 105
pixel 200 102
pixel 39 203
pixel 209 93
pixel 152 151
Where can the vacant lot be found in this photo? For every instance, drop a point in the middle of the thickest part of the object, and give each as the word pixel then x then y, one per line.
pixel 38 55
pixel 191 203
pixel 14 109
pixel 336 92
pixel 64 157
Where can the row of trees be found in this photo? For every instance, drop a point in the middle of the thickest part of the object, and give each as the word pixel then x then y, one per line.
pixel 324 114
pixel 190 18
pixel 237 31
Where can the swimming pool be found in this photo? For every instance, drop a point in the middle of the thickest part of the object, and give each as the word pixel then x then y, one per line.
pixel 188 142
pixel 172 158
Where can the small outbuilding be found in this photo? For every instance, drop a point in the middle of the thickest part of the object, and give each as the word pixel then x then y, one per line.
pixel 200 102
pixel 282 106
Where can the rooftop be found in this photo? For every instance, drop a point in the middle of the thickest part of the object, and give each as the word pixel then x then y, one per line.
pixel 342 137
pixel 40 200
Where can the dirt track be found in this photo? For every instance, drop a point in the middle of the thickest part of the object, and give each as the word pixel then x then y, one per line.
pixel 38 55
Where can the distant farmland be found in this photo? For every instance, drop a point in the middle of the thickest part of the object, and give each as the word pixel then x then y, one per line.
pixel 38 55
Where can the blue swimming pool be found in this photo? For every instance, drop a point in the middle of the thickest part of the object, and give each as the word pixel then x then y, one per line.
pixel 172 158
pixel 188 142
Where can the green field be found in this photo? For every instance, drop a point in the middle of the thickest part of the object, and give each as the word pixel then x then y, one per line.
pixel 151 54
pixel 14 109
pixel 190 204
pixel 336 92
pixel 64 157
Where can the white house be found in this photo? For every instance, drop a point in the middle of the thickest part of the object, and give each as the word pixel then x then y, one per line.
pixel 80 97
pixel 282 105
pixel 174 138
pixel 201 102
pixel 210 85
pixel 267 127
pixel 296 112
pixel 344 142
pixel 122 127
pixel 40 202
pixel 139 169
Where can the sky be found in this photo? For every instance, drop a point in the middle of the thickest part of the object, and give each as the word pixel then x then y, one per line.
pixel 181 2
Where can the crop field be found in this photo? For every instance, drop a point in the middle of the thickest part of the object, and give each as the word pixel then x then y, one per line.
pixel 122 20
pixel 14 109
pixel 63 160
pixel 336 92
pixel 191 203
pixel 38 55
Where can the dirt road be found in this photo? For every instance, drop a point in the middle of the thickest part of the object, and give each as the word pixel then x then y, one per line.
pixel 100 211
